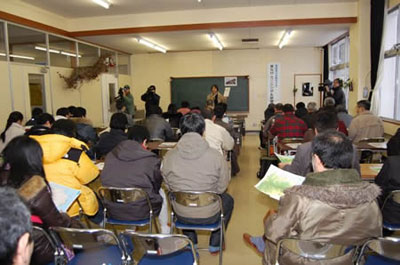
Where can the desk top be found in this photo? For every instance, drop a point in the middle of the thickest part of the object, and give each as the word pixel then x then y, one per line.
pixel 371 146
pixel 370 171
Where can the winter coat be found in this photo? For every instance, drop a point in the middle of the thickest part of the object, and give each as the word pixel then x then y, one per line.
pixel 334 206
pixel 38 130
pixel 129 165
pixel 365 125
pixel 67 164
pixel 37 196
pixel 108 141
pixel 13 131
pixel 194 166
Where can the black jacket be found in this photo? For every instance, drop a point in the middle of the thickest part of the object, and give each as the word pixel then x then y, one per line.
pixel 129 165
pixel 389 179
pixel 108 141
pixel 338 95
pixel 173 118
pixel 38 130
pixel 150 98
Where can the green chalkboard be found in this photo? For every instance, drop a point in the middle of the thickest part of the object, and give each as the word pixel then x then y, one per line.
pixel 195 91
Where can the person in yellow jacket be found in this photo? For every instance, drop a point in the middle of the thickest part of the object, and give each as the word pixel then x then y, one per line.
pixel 66 163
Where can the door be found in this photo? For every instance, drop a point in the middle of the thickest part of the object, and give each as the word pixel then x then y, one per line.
pixel 37 94
pixel 109 84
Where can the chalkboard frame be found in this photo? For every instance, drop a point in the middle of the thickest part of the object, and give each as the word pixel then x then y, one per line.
pixel 223 76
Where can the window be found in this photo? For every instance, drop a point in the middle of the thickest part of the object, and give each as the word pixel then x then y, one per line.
pixel 124 64
pixel 2 43
pixel 62 52
pixel 88 55
pixel 390 87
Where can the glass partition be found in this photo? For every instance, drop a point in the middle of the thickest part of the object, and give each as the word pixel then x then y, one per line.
pixel 88 55
pixel 124 64
pixel 2 43
pixel 62 52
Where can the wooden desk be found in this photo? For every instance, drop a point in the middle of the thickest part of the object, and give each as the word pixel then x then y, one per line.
pixel 363 146
pixel 369 171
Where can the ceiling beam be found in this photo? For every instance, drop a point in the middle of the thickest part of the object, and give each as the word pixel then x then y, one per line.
pixel 217 25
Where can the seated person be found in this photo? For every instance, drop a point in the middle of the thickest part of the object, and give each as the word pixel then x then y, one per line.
pixel 66 163
pixel 302 162
pixel 194 166
pixel 129 164
pixel 23 165
pixel 62 113
pixel 84 127
pixel 333 205
pixel 301 110
pixel 185 108
pixel 35 113
pixel 343 115
pixel 172 116
pixel 365 124
pixel 158 127
pixel 43 125
pixel 288 125
pixel 120 106
pixel 109 140
pixel 13 128
pixel 16 243
pixel 389 179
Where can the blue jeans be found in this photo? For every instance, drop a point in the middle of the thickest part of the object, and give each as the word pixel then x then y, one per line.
pixel 227 206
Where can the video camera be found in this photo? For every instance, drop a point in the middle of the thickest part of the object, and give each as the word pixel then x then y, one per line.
pixel 326 83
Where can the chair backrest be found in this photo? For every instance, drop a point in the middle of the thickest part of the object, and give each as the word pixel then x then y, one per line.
pixel 84 239
pixel 195 199
pixel 372 140
pixel 123 196
pixel 310 249
pixel 395 195
pixel 138 245
pixel 387 247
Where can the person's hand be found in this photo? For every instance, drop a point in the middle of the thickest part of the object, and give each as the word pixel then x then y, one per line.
pixel 282 165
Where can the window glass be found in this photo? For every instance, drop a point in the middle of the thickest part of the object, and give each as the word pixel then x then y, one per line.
pixel 23 45
pixel 391 30
pixel 62 52
pixel 388 88
pixel 88 55
pixel 2 43
pixel 124 64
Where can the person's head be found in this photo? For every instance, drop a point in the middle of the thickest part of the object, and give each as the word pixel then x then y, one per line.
pixel 79 112
pixel 118 121
pixel 71 110
pixel 207 114
pixel 64 127
pixel 172 108
pixel 16 243
pixel 153 109
pixel 278 107
pixel 288 108
pixel 219 111
pixel 23 157
pixel 63 112
pixel 337 82
pixel 139 134
pixel 331 150
pixel 185 104
pixel 363 106
pixel 127 89
pixel 271 106
pixel 195 110
pixel 214 89
pixel 192 122
pixel 324 121
pixel 45 119
pixel 312 107
pixel 36 112
pixel 14 116
pixel 341 108
pixel 151 89
pixel 300 105
pixel 329 102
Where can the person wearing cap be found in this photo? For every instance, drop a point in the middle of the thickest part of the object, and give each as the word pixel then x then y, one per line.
pixel 128 100
pixel 150 97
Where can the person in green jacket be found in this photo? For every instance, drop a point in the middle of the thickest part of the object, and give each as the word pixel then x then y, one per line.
pixel 128 100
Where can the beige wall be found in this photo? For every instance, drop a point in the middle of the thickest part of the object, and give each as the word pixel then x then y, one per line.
pixel 392 3
pixel 157 69
pixel 390 128
pixel 5 99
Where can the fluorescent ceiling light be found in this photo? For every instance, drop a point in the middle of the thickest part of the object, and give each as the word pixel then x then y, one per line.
pixel 285 38
pixel 70 54
pixel 151 45
pixel 44 49
pixel 216 41
pixel 19 56
pixel 103 3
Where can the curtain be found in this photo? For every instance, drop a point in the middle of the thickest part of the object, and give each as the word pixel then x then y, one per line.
pixel 326 63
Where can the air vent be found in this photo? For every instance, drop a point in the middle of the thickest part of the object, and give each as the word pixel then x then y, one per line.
pixel 250 40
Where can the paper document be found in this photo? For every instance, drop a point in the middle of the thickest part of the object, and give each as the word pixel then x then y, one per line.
pixel 227 91
pixel 378 145
pixel 294 145
pixel 63 196
pixel 285 159
pixel 276 181
pixel 100 165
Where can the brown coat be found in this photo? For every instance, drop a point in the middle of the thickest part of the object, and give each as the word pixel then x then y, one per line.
pixel 334 206
pixel 365 125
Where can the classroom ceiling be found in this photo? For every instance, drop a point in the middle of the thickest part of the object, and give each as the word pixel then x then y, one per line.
pixel 303 36
pixel 86 8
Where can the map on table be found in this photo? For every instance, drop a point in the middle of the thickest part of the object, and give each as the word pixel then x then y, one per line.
pixel 285 159
pixel 276 181
pixel 63 196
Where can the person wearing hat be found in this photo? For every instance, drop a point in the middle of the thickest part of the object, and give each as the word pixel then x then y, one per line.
pixel 128 100
pixel 150 97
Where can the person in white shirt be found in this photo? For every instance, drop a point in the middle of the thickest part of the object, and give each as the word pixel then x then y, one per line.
pixel 13 128
pixel 217 136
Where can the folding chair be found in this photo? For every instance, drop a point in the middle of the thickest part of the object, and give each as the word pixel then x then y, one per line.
pixel 148 249
pixel 395 196
pixel 87 246
pixel 37 232
pixel 380 251
pixel 113 195
pixel 311 250
pixel 195 199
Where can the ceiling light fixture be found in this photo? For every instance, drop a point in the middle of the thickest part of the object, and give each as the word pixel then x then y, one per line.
pixel 44 49
pixel 70 54
pixel 216 41
pixel 151 45
pixel 19 56
pixel 103 3
pixel 285 38
pixel 199 1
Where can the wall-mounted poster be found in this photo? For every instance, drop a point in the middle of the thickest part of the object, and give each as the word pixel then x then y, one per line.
pixel 274 81
pixel 230 81
pixel 308 89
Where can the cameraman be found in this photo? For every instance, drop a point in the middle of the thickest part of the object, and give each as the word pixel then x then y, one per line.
pixel 128 100
pixel 150 97
pixel 336 92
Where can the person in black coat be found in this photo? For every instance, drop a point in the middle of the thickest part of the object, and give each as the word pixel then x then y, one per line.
pixel 109 140
pixel 337 92
pixel 150 97
pixel 43 125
